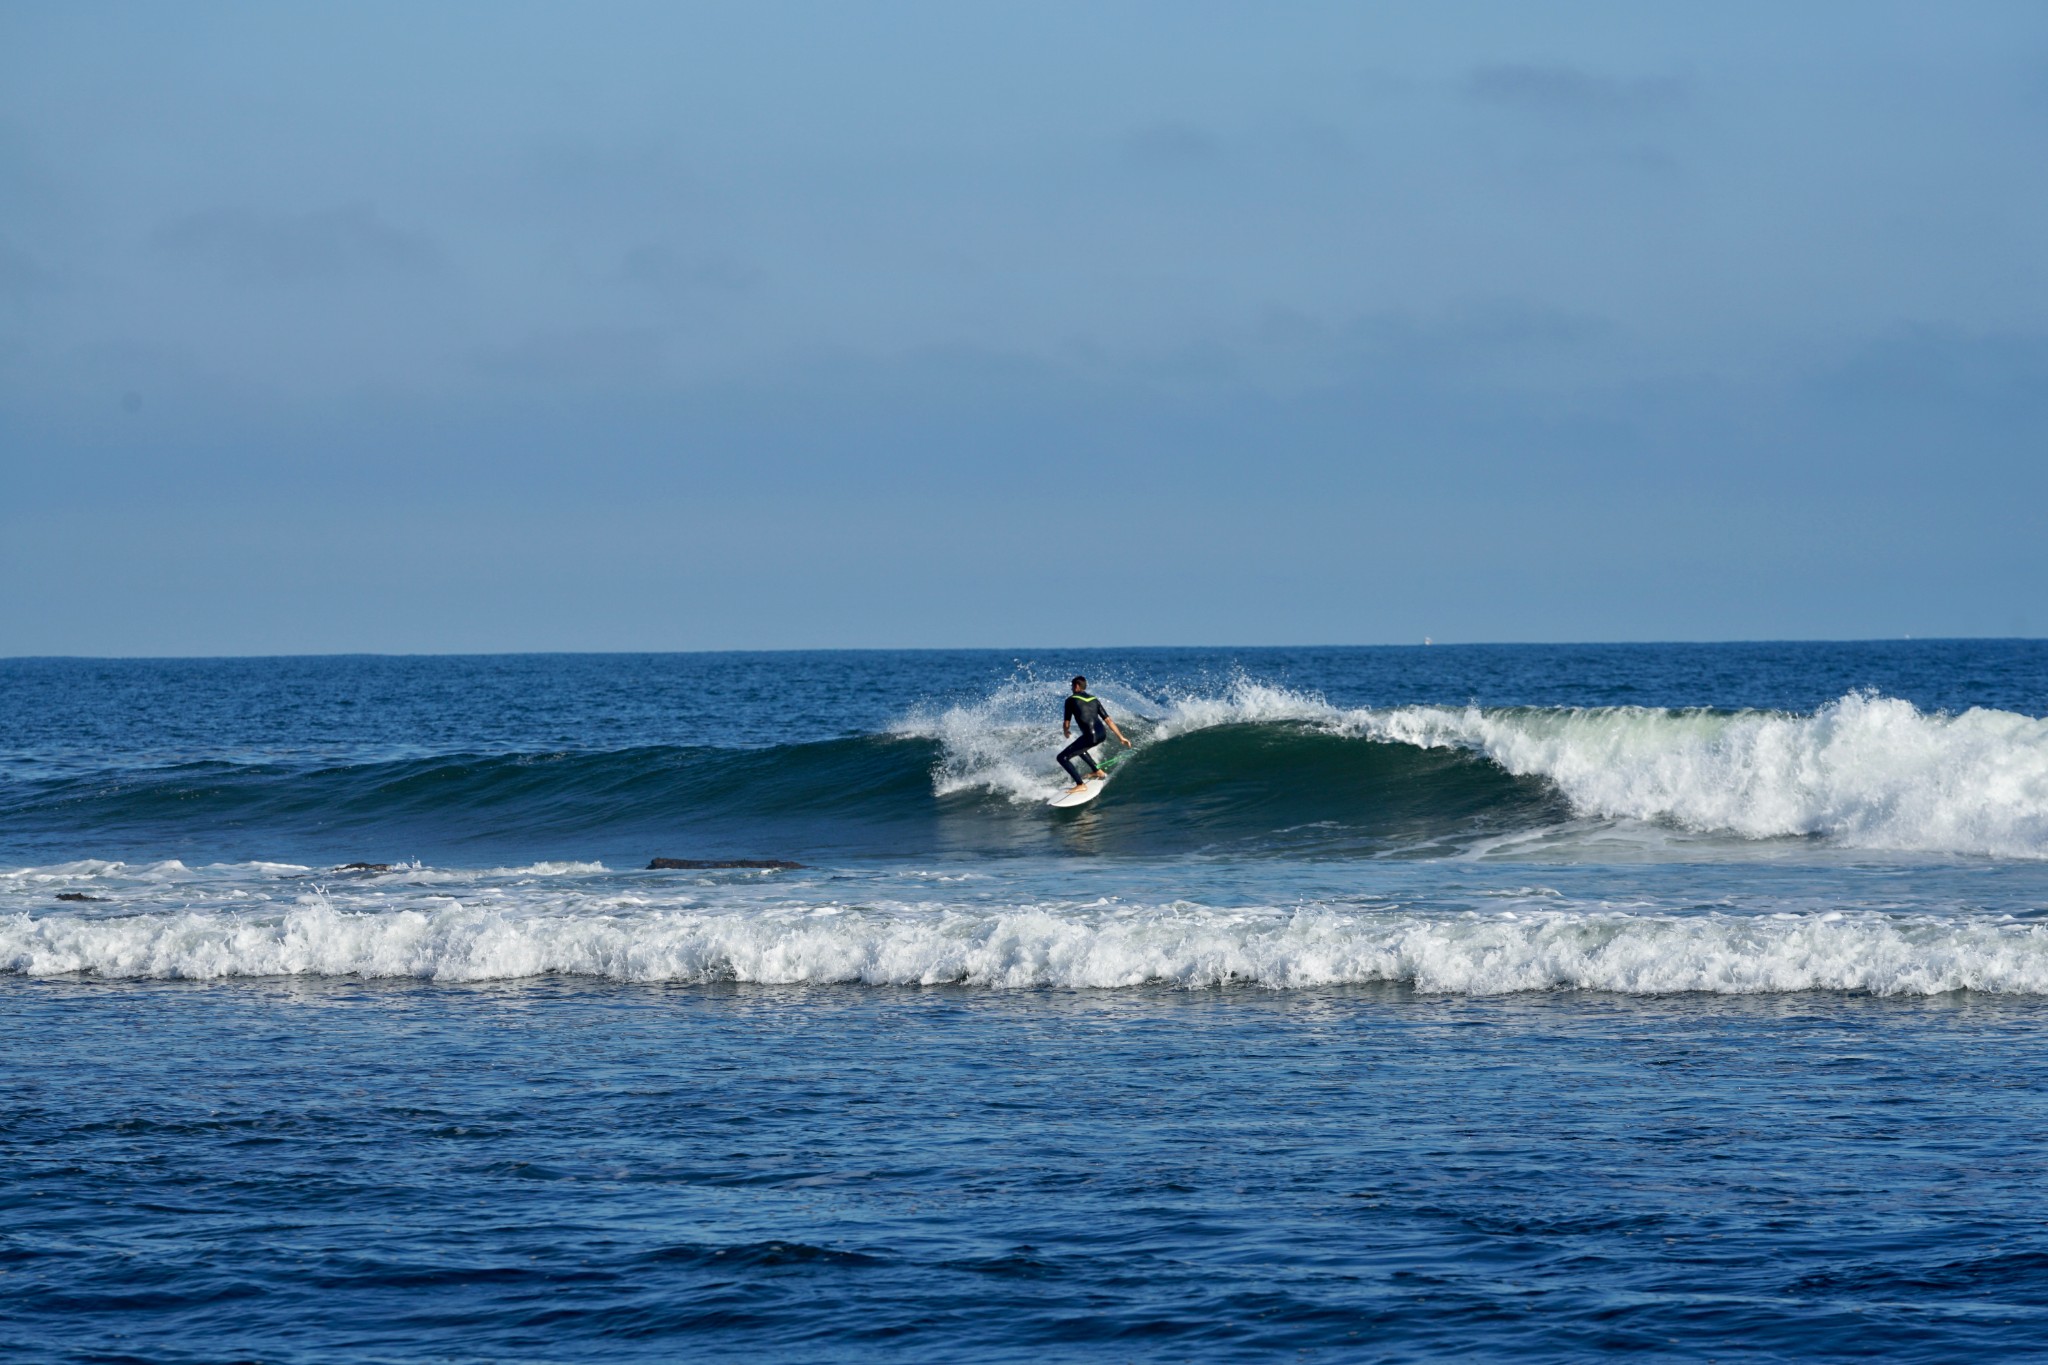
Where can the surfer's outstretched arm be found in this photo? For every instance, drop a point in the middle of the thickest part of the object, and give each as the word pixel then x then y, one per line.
pixel 1113 730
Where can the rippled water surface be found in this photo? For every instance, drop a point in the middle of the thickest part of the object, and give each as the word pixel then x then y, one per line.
pixel 321 1170
pixel 1679 1001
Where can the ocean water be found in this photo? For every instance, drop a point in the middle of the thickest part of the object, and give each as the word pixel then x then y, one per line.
pixel 1688 1002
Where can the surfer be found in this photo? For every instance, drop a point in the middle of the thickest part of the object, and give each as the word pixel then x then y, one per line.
pixel 1091 715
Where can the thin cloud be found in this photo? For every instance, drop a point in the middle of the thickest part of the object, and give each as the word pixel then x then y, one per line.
pixel 1571 92
pixel 1936 363
pixel 330 244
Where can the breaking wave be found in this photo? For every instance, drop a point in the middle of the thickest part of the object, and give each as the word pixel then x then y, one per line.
pixel 1245 768
pixel 1865 771
pixel 1055 945
pixel 1869 772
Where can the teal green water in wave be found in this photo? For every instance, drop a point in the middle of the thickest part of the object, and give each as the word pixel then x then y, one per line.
pixel 1533 1003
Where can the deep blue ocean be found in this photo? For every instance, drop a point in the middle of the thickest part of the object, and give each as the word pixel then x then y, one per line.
pixel 1683 1002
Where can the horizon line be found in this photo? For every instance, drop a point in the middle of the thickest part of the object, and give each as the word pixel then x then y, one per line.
pixel 1427 643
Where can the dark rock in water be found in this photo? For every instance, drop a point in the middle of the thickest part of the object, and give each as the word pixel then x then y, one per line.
pixel 80 896
pixel 364 867
pixel 701 864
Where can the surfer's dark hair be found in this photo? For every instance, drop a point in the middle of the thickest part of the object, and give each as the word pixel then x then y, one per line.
pixel 1080 681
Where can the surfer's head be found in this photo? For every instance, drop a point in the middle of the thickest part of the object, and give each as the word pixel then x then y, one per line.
pixel 1080 684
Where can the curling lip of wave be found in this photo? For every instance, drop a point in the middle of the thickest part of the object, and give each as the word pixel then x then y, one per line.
pixel 1062 947
pixel 1866 771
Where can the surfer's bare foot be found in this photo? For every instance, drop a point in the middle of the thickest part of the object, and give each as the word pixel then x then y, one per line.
pixel 1076 791
pixel 1097 775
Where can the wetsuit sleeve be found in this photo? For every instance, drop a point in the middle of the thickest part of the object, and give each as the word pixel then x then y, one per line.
pixel 1068 714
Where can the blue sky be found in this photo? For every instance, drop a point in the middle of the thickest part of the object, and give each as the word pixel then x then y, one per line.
pixel 616 326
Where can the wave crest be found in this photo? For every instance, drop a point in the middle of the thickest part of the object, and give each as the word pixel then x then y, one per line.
pixel 1098 947
pixel 1865 771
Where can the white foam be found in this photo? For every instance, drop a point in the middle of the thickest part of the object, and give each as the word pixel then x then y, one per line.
pixel 1004 743
pixel 1248 702
pixel 108 873
pixel 1865 771
pixel 1094 946
pixel 418 874
pixel 79 871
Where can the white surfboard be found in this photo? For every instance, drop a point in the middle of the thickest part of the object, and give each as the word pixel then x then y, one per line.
pixel 1089 789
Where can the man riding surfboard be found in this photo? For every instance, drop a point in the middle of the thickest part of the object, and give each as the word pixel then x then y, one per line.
pixel 1091 715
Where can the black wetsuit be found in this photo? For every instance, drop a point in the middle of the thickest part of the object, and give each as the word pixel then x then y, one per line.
pixel 1087 715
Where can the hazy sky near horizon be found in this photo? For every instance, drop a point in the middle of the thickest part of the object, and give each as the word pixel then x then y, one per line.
pixel 460 327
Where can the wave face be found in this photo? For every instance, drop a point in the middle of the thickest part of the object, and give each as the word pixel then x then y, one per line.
pixel 1244 768
pixel 577 920
pixel 826 794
